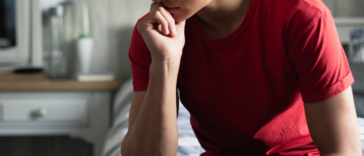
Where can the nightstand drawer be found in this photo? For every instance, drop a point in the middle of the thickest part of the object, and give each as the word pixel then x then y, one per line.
pixel 42 111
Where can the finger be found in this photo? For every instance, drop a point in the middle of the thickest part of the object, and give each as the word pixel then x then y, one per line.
pixel 150 18
pixel 159 28
pixel 152 6
pixel 159 18
pixel 170 20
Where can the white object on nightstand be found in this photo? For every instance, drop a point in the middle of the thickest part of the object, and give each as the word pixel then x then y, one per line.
pixel 84 50
pixel 95 77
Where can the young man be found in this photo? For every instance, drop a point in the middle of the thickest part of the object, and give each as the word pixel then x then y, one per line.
pixel 259 77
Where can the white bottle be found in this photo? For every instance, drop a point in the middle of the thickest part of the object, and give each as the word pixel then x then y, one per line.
pixel 84 40
pixel 84 49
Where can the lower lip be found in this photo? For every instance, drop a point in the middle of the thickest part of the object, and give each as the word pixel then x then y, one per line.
pixel 172 9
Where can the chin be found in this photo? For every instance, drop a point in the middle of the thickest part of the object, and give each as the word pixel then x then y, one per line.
pixel 180 17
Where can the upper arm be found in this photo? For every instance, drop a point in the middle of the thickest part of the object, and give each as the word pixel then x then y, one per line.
pixel 324 77
pixel 316 56
pixel 333 124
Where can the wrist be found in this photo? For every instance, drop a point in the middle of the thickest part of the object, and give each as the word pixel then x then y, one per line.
pixel 166 57
pixel 163 76
pixel 166 68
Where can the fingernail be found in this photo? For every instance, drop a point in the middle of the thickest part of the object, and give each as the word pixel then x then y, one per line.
pixel 175 32
pixel 167 32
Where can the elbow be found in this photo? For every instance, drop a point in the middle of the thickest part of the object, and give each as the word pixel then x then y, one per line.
pixel 156 152
pixel 125 151
pixel 123 148
pixel 128 148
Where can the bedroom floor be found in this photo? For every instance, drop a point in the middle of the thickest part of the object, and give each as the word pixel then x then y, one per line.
pixel 44 146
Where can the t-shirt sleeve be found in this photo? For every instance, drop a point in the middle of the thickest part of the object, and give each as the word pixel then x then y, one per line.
pixel 316 54
pixel 140 60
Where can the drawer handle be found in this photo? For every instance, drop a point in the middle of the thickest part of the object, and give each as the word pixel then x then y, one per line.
pixel 41 112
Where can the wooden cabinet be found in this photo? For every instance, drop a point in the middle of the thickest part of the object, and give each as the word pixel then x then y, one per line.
pixel 47 107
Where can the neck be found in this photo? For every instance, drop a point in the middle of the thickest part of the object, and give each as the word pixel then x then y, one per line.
pixel 223 10
pixel 222 17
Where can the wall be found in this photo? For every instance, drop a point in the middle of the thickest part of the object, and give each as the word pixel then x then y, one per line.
pixel 346 8
pixel 113 22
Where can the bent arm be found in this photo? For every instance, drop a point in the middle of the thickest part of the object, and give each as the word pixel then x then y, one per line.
pixel 333 125
pixel 152 122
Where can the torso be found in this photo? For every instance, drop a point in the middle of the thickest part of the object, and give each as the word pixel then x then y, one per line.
pixel 241 86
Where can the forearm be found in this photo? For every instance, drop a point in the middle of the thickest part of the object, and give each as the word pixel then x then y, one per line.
pixel 154 131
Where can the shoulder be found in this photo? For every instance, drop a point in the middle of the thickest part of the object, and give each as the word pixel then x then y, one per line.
pixel 307 10
pixel 304 6
pixel 300 11
pixel 316 6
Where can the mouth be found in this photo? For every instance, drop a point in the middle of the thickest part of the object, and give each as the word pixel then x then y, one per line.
pixel 171 9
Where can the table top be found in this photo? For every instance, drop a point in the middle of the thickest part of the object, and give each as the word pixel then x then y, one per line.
pixel 39 82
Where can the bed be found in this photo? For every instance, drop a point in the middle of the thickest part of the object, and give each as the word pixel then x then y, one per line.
pixel 188 144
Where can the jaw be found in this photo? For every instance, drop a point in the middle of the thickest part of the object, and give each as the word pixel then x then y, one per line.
pixel 188 9
pixel 182 16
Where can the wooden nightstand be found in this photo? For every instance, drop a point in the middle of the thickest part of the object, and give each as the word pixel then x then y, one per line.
pixel 33 105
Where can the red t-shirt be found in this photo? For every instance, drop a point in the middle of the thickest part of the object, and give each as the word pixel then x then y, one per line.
pixel 246 91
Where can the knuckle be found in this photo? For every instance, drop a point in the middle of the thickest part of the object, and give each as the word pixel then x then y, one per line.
pixel 165 23
pixel 140 28
pixel 139 24
pixel 154 15
pixel 152 5
pixel 160 9
pixel 170 18
pixel 157 13
pixel 171 24
pixel 172 21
